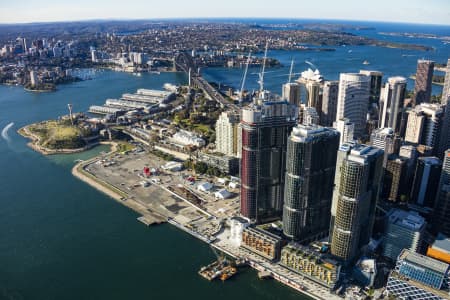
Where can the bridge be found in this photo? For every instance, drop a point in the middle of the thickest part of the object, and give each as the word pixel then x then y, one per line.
pixel 184 62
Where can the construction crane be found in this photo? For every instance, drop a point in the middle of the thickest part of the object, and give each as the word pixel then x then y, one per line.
pixel 263 69
pixel 290 71
pixel 244 78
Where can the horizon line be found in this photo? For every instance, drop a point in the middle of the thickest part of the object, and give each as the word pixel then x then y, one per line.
pixel 214 18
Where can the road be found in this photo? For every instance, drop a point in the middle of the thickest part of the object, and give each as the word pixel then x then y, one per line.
pixel 184 62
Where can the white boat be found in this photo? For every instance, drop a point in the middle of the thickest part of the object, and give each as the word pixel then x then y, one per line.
pixel 366 62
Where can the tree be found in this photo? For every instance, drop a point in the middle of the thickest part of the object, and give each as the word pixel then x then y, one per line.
pixel 200 167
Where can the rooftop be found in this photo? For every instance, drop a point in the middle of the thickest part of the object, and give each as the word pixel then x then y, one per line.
pixel 407 219
pixel 442 243
pixel 423 261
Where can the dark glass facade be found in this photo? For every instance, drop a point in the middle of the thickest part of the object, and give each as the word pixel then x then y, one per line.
pixel 310 168
pixel 262 168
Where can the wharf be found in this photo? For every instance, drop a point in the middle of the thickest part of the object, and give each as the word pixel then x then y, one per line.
pixel 152 219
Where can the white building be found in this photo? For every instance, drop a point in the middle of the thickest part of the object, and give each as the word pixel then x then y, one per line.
pixel 205 187
pixel 353 100
pixel 345 128
pixel 237 226
pixel 404 230
pixel 309 115
pixel 222 194
pixel 391 103
pixel 424 124
pixel 227 127
pixel 291 92
pixel 186 138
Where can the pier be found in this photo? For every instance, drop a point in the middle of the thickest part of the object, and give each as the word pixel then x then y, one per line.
pixel 152 219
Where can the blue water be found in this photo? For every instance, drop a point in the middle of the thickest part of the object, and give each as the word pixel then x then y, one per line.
pixel 61 239
pixel 392 62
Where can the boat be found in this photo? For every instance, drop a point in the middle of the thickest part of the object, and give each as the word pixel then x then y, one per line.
pixel 228 272
pixel 366 62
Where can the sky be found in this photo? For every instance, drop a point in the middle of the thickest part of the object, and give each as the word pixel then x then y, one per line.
pixel 408 11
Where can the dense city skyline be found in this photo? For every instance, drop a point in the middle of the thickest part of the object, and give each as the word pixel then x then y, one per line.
pixel 434 12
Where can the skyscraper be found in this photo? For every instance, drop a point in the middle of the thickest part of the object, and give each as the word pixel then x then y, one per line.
pixel 346 129
pixel 265 130
pixel 424 125
pixel 329 103
pixel 391 103
pixel 386 140
pixel 445 102
pixel 310 83
pixel 424 78
pixel 291 93
pixel 426 179
pixel 357 184
pixel 441 220
pixel 310 169
pixel 376 80
pixel 227 133
pixel 353 100
pixel 395 176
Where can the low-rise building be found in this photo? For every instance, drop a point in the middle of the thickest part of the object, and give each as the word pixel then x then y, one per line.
pixel 419 277
pixel 225 164
pixel 404 230
pixel 440 249
pixel 311 263
pixel 365 271
pixel 261 242
pixel 185 138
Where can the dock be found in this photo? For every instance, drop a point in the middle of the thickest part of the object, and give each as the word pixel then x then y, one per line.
pixel 152 219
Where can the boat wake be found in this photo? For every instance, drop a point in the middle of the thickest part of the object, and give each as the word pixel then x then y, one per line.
pixel 310 64
pixel 5 135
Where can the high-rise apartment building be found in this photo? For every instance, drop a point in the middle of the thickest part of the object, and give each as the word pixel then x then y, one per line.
pixel 353 100
pixel 424 78
pixel 404 230
pixel 227 133
pixel 346 129
pixel 309 180
pixel 376 81
pixel 265 129
pixel 308 115
pixel 291 93
pixel 441 219
pixel 330 91
pixel 310 89
pixel 391 103
pixel 385 139
pixel 426 180
pixel 357 184
pixel 394 179
pixel 424 125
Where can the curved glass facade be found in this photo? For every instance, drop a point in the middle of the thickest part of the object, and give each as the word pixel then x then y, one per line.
pixel 310 168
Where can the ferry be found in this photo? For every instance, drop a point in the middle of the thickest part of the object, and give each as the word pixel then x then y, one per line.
pixel 366 62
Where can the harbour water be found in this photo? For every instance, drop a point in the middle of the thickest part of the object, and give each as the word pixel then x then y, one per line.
pixel 61 239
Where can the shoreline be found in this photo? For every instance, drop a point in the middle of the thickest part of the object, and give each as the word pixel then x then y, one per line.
pixel 106 188
pixel 34 144
pixel 123 198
